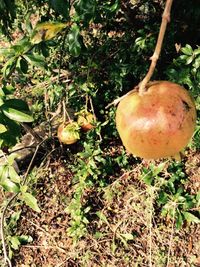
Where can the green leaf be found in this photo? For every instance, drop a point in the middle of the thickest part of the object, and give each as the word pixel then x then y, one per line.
pixel 127 237
pixel 159 168
pixel 23 65
pixel 24 239
pixel 30 201
pixel 85 10
pixel 162 198
pixel 75 49
pixel 36 60
pixel 16 115
pixel 2 95
pixel 9 67
pixel 22 46
pixel 113 247
pixel 7 52
pixel 3 128
pixel 73 41
pixel 179 220
pixel 1 100
pixel 9 137
pixel 13 175
pixel 190 217
pixel 46 31
pixel 196 51
pixel 101 216
pixel 148 178
pixel 24 188
pixel 189 60
pixel 61 7
pixel 3 172
pixel 27 22
pixel 114 7
pixel 187 50
pixel 98 235
pixel 8 89
pixel 10 186
pixel 15 243
pixel 17 104
pixel 14 218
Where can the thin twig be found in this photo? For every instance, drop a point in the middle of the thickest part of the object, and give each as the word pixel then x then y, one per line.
pixel 62 53
pixel 32 132
pixel 45 247
pixel 92 107
pixel 171 236
pixel 150 227
pixel 156 54
pixel 46 233
pixel 18 149
pixel 65 113
pixel 142 85
pixel 56 113
pixel 6 258
pixel 117 100
pixel 50 81
pixel 86 102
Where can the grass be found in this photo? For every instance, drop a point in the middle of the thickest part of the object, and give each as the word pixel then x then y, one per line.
pixel 125 224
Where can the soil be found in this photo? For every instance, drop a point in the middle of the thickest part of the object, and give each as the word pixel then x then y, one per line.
pixel 133 234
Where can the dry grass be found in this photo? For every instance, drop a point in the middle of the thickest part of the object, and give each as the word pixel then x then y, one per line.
pixel 128 231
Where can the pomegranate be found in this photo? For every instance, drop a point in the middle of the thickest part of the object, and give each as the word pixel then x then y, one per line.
pixel 86 120
pixel 68 133
pixel 157 124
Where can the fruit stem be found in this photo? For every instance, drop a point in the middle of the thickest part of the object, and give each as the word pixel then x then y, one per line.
pixel 156 54
pixel 65 113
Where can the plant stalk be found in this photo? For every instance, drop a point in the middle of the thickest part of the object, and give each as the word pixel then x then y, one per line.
pixel 156 54
pixel 10 201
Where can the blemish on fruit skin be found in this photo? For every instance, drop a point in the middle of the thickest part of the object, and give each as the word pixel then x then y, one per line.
pixel 173 114
pixel 154 142
pixel 186 106
pixel 180 126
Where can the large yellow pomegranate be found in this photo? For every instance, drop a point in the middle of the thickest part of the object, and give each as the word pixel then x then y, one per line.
pixel 157 124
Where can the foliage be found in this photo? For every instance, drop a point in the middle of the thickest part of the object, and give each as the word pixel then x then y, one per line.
pixel 173 200
pixel 15 241
pixel 12 112
pixel 12 182
pixel 7 15
pixel 87 53
pixel 91 171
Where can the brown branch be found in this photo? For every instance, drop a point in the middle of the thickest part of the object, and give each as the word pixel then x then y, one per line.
pixel 154 58
pixel 142 87
pixel 117 100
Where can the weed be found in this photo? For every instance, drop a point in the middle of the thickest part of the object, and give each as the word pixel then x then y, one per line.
pixel 172 198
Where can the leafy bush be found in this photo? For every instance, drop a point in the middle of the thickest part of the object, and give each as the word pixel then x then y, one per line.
pixel 83 55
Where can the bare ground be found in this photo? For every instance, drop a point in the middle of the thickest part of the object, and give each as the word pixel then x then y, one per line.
pixel 127 207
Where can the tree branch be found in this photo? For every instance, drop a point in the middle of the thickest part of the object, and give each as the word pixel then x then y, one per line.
pixel 154 58
pixel 142 86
